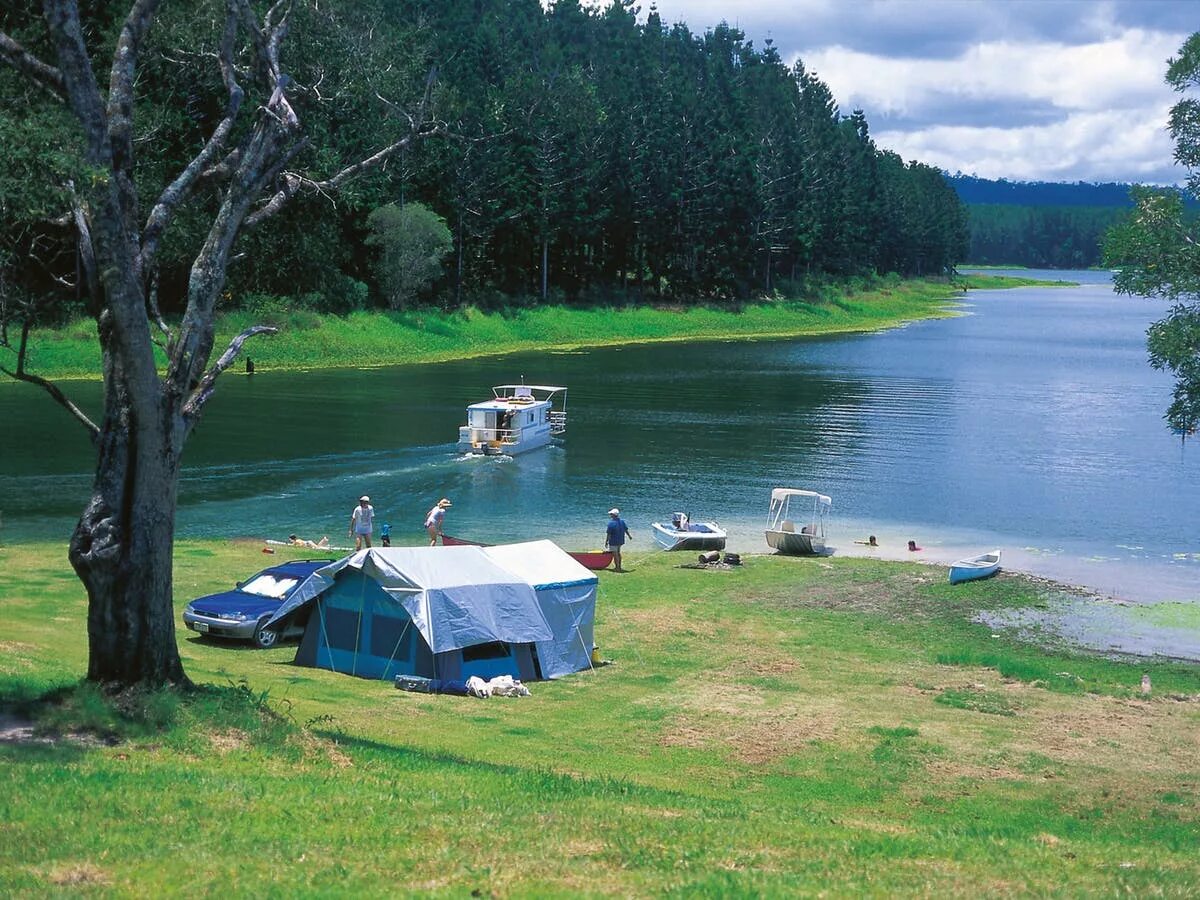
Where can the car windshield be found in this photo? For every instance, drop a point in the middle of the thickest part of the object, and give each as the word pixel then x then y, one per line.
pixel 267 585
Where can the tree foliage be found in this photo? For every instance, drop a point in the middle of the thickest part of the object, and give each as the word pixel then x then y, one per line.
pixel 600 157
pixel 1158 251
pixel 1044 237
pixel 412 241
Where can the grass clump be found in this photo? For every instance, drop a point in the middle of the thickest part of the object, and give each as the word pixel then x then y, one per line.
pixel 990 702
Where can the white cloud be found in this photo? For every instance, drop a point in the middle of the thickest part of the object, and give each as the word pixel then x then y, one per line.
pixel 1019 89
pixel 1101 107
pixel 1085 146
pixel 1125 73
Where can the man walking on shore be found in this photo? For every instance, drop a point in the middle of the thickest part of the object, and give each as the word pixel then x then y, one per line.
pixel 614 536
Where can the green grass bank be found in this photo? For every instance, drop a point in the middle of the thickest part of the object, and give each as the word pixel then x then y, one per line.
pixel 796 726
pixel 309 340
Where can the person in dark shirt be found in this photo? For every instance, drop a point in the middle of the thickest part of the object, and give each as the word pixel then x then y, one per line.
pixel 614 537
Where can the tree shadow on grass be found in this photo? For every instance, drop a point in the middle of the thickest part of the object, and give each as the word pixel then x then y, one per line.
pixel 544 781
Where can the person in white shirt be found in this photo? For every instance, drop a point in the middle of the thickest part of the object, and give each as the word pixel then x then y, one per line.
pixel 433 521
pixel 362 522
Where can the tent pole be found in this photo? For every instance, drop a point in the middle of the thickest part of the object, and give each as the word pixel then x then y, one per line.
pixel 362 592
pixel 392 658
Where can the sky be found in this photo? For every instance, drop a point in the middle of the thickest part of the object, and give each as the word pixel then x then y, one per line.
pixel 1027 90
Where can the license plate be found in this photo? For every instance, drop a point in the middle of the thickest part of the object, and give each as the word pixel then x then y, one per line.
pixel 201 626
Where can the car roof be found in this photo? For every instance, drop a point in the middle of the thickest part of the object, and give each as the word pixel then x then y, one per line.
pixel 297 567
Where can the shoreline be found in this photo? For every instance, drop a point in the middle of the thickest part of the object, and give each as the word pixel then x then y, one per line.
pixel 310 341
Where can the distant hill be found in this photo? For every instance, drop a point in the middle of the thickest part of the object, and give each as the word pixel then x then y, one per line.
pixel 973 190
pixel 1042 224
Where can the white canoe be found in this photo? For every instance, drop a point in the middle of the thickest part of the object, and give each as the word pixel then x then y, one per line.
pixel 975 567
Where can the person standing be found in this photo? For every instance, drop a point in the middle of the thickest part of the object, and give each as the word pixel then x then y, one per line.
pixel 362 522
pixel 433 521
pixel 614 537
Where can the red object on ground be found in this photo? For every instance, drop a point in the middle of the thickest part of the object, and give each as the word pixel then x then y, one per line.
pixel 589 559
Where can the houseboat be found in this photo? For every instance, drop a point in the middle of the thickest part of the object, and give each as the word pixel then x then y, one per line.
pixel 519 417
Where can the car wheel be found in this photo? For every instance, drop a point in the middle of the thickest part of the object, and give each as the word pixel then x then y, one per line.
pixel 265 637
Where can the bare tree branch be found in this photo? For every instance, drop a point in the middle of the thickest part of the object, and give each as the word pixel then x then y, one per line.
pixel 178 190
pixel 204 390
pixel 48 386
pixel 44 76
pixel 419 128
pixel 155 315
pixel 79 81
pixel 87 254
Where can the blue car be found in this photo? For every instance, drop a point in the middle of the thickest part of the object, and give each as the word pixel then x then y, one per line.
pixel 241 613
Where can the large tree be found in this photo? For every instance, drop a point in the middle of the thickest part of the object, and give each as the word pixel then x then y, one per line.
pixel 1158 250
pixel 251 164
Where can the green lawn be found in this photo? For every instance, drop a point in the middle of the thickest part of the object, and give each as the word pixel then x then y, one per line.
pixel 832 726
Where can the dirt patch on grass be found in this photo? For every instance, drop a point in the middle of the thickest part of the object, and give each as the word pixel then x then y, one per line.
pixel 766 668
pixel 339 758
pixel 740 724
pixel 228 741
pixel 877 596
pixel 78 874
pixel 781 734
pixel 955 769
pixel 665 622
pixel 16 730
pixel 20 730
pixel 1156 737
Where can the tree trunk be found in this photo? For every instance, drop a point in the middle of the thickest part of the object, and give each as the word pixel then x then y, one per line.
pixel 122 552
pixel 545 268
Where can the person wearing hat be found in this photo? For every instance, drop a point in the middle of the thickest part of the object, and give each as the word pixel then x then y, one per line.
pixel 362 522
pixel 433 521
pixel 614 537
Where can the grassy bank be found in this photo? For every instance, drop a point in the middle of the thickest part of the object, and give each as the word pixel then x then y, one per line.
pixel 308 340
pixel 833 726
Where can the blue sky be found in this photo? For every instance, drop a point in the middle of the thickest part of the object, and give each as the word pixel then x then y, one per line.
pixel 1049 90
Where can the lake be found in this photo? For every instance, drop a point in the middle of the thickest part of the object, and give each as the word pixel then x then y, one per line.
pixel 1032 423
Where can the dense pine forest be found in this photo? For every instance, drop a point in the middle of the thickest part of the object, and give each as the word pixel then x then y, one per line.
pixel 585 157
pixel 1041 224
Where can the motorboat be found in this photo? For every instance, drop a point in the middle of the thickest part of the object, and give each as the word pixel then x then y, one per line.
pixel 518 418
pixel 975 567
pixel 589 559
pixel 788 505
pixel 683 534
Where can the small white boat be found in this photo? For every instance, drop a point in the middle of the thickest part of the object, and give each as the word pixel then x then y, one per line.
pixel 682 534
pixel 974 567
pixel 782 533
pixel 519 417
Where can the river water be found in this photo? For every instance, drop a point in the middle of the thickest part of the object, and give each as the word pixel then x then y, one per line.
pixel 1031 423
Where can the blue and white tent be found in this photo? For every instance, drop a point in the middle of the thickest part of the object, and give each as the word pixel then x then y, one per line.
pixel 525 610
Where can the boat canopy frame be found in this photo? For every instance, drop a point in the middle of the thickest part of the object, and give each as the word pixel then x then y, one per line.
pixel 781 499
